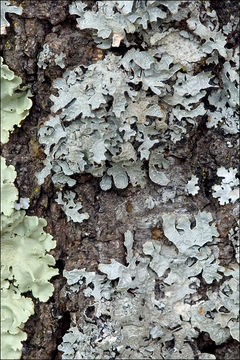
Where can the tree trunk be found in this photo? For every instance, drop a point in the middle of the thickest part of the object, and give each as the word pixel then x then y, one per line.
pixel 112 213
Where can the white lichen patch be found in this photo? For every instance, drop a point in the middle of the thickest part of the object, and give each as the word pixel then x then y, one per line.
pixel 113 143
pixel 23 203
pixel 182 46
pixel 228 190
pixel 192 187
pixel 7 7
pixel 184 235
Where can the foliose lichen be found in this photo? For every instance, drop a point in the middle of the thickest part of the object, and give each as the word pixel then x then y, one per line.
pixel 228 190
pixel 132 321
pixel 47 56
pixel 15 101
pixel 192 187
pixel 115 119
pixel 7 7
pixel 25 262
pixel 25 266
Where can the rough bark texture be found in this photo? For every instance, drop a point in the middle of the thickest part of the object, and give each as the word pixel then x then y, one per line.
pixel 112 212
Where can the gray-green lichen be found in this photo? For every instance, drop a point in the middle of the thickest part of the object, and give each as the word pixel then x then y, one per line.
pixel 96 140
pixel 112 21
pixel 131 320
pixel 47 56
pixel 115 118
pixel 71 208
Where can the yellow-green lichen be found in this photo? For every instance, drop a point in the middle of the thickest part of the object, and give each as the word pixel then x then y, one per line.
pixel 15 102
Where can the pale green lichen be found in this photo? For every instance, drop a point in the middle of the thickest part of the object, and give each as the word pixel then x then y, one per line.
pixel 15 311
pixel 9 192
pixel 15 102
pixel 24 254
pixel 25 262
pixel 25 266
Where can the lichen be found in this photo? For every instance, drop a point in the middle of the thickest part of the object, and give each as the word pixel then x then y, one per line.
pixel 25 266
pixel 7 7
pixel 15 101
pixel 228 191
pixel 105 126
pixel 47 57
pixel 192 188
pixel 25 262
pixel 234 237
pixel 71 208
pixel 9 192
pixel 15 311
pixel 130 321
pixel 119 119
pixel 96 140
